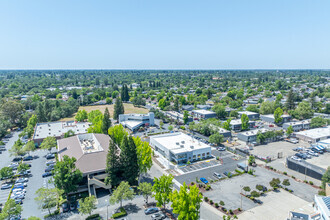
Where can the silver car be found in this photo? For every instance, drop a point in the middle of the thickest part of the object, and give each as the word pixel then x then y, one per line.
pixel 158 216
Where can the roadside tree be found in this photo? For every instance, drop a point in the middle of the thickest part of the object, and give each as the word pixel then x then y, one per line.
pixel 163 188
pixel 87 205
pixel 123 192
pixel 146 190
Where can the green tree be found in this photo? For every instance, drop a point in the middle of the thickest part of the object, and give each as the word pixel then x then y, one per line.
pixel 251 160
pixel 255 194
pixel 12 110
pixel 187 202
pixel 29 147
pixel 326 177
pixel 17 149
pixel 252 108
pixel 129 160
pixel 318 122
pixel 286 182
pixel 170 128
pixel 226 124
pixel 304 110
pixel 220 111
pixel 87 205
pixel 108 100
pixel 66 175
pixel 117 133
pixel 260 188
pixel 275 182
pixel 162 104
pixel 31 123
pixel 123 192
pixel 48 143
pixel 176 104
pixel 278 115
pixel 6 173
pixel 267 108
pixel 261 138
pixel 10 210
pixel 81 115
pixel 144 154
pixel 106 122
pixel 113 167
pixel 290 101
pixel 69 133
pixel 46 198
pixel 22 167
pixel 146 190
pixel 118 109
pixel 216 138
pixel 162 188
pixel 245 122
pixel 289 131
pixel 185 117
pixel 246 189
pixel 161 123
pixel 94 116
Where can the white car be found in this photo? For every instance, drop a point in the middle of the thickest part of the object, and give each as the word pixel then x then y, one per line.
pixel 19 190
pixel 21 180
pixel 295 158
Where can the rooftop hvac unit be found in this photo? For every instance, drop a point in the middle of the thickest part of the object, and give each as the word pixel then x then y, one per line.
pixel 182 142
pixel 177 143
pixel 192 147
pixel 182 146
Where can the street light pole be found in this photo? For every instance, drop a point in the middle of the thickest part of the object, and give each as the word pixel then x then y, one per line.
pixel 107 208
pixel 241 197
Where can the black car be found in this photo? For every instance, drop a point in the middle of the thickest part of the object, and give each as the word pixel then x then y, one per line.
pixel 65 207
pixel 16 159
pixel 46 174
pixel 49 169
pixel 27 158
pixel 50 156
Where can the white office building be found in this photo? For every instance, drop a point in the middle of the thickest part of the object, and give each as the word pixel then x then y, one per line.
pixel 179 148
pixel 135 121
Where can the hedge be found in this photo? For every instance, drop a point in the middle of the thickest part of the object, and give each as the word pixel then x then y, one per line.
pixel 94 216
pixel 56 212
pixel 120 214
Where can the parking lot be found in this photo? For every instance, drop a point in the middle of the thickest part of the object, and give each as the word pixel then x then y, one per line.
pixel 200 165
pixel 228 190
pixel 207 169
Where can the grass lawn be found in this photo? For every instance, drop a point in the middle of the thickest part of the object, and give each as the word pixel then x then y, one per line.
pixel 129 109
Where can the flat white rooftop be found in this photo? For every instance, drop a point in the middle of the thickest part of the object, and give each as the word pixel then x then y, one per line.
pixel 316 132
pixel 247 113
pixel 298 122
pixel 179 142
pixel 254 132
pixel 236 122
pixel 56 129
pixel 203 112
pixel 132 123
pixel 272 116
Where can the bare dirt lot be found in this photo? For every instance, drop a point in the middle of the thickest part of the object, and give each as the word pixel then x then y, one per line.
pixel 129 109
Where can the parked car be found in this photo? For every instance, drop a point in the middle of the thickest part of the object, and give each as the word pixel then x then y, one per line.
pixel 217 175
pixel 72 206
pixel 19 190
pixel 204 180
pixel 65 207
pixel 6 186
pixel 50 162
pixel 13 166
pixel 46 174
pixel 24 173
pixel 227 174
pixel 151 210
pixel 298 149
pixel 158 216
pixel 48 169
pixel 18 201
pixel 17 196
pixel 16 159
pixel 295 158
pixel 27 158
pixel 50 156
pixel 301 155
pixel 221 148
pixel 20 184
pixel 21 180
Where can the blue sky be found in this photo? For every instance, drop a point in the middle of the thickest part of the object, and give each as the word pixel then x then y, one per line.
pixel 159 34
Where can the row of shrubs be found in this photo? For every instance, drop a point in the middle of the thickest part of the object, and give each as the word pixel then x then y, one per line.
pixel 94 216
pixel 120 214
pixel 56 212
pixel 221 203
